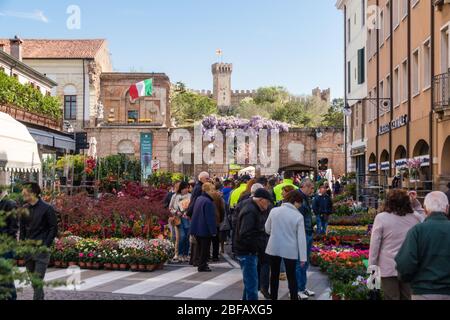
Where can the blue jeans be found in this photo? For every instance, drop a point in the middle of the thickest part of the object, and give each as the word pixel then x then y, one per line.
pixel 183 245
pixel 322 224
pixel 302 276
pixel 249 267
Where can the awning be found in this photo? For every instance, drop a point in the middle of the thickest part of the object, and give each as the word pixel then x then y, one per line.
pixel 18 149
pixel 53 140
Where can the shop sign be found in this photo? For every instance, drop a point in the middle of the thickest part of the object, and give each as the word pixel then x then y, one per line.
pixel 424 160
pixel 384 166
pixel 372 167
pixel 401 164
pixel 395 124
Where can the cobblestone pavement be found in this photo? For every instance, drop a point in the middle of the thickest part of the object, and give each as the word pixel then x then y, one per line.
pixel 175 282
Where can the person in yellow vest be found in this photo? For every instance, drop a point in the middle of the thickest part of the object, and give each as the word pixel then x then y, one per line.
pixel 288 181
pixel 236 194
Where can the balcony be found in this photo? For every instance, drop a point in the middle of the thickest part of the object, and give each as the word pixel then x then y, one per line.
pixel 28 117
pixel 441 95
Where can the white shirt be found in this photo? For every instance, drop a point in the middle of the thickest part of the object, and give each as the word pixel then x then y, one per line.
pixel 286 228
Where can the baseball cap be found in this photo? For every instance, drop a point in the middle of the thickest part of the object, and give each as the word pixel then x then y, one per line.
pixel 263 194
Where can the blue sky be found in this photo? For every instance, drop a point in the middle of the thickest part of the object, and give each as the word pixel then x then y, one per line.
pixel 293 43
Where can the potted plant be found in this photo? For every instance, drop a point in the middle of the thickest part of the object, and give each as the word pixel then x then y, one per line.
pixel 337 290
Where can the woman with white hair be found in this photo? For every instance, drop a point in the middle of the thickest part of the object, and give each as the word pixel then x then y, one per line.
pixel 424 258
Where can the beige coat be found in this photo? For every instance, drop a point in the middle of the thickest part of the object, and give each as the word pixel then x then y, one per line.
pixel 388 234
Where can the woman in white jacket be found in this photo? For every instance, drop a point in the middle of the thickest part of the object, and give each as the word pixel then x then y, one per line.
pixel 287 241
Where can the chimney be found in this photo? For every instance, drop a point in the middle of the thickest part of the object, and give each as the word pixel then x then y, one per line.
pixel 16 48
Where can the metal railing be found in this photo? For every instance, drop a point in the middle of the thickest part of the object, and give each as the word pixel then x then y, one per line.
pixel 441 91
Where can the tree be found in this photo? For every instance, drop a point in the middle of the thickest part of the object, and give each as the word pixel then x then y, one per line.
pixel 277 95
pixel 335 115
pixel 248 108
pixel 188 107
pixel 307 112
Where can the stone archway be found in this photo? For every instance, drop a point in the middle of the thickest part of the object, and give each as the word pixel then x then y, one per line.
pixel 400 153
pixel 445 162
pixel 422 149
pixel 126 147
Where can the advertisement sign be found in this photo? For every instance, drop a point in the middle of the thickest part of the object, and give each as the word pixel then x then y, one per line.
pixel 146 155
pixel 156 165
pixel 384 166
pixel 372 167
pixel 401 164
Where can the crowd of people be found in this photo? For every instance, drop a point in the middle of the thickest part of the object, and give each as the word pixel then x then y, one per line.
pixel 267 221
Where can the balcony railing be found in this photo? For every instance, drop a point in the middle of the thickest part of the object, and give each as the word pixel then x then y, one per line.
pixel 31 118
pixel 441 94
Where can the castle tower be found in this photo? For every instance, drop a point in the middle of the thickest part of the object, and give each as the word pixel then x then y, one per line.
pixel 222 84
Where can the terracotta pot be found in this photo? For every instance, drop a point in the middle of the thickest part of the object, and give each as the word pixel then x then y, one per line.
pixel 89 265
pixel 142 267
pixel 96 265
pixel 82 264
pixel 134 267
pixel 64 264
pixel 107 266
pixel 123 266
pixel 72 264
pixel 115 266
pixel 335 297
pixel 152 267
pixel 57 264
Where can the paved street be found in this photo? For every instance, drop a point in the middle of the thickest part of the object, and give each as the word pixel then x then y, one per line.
pixel 173 282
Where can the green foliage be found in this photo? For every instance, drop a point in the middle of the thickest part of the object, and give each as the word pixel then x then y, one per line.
pixel 163 179
pixel 120 167
pixel 188 107
pixel 28 98
pixel 335 115
pixel 271 95
pixel 304 113
pixel 248 108
pixel 8 271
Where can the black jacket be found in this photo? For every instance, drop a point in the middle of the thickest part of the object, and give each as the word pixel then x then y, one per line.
pixel 40 224
pixel 250 234
pixel 197 192
pixel 322 205
pixel 11 226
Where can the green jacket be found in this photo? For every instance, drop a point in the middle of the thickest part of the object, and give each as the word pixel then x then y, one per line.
pixel 279 188
pixel 424 259
pixel 236 194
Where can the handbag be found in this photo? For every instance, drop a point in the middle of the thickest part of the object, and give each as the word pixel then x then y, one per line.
pixel 175 221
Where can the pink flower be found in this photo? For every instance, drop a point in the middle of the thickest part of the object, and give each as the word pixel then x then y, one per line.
pixel 90 255
pixel 81 255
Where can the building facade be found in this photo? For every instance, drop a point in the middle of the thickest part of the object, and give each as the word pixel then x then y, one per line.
pixel 406 108
pixel 76 65
pixel 355 26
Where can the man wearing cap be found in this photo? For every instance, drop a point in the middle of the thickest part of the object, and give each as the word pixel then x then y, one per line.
pixel 250 240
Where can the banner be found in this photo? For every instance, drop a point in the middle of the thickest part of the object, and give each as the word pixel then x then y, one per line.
pixel 146 155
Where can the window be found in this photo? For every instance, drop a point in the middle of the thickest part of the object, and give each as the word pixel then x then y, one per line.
pixel 361 66
pixel 426 64
pixel 388 87
pixel 133 116
pixel 396 13
pixel 382 111
pixel 387 21
pixel 396 95
pixel 363 13
pixel 381 26
pixel 405 92
pixel 444 50
pixel 349 29
pixel 349 77
pixel 70 107
pixel 404 4
pixel 415 72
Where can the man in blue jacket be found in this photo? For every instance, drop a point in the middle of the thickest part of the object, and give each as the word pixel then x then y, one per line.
pixel 204 228
pixel 323 208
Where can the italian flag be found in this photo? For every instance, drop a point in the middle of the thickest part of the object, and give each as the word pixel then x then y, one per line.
pixel 141 89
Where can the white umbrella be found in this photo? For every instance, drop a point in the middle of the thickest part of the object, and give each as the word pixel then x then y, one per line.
pixel 92 152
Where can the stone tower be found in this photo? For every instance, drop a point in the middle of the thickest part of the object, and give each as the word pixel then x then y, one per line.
pixel 222 84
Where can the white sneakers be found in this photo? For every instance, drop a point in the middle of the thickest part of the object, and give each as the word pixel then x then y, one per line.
pixel 305 295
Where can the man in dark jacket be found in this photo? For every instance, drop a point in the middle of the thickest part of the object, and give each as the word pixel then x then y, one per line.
pixel 197 192
pixel 40 225
pixel 250 239
pixel 204 228
pixel 10 229
pixel 323 208
pixel 424 259
pixel 307 190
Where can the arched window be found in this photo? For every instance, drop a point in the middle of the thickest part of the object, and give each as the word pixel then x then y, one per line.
pixel 126 147
pixel 70 102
